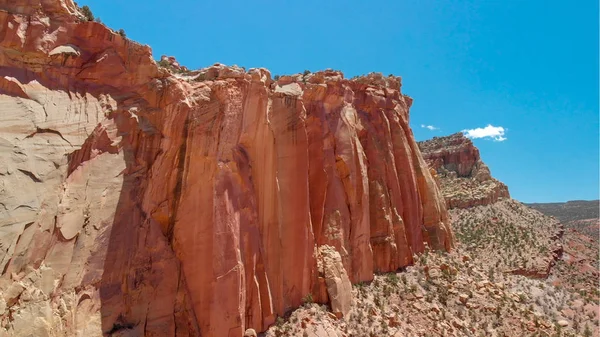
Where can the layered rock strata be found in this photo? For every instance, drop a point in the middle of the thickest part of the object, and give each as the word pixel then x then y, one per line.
pixel 136 201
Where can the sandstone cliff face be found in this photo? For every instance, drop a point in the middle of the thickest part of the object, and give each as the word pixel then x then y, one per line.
pixel 140 202
pixel 509 261
pixel 466 179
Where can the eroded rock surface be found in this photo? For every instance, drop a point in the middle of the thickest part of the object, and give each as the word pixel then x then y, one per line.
pixel 136 201
pixel 339 288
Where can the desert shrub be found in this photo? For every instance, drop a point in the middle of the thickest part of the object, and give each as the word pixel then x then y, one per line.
pixel 387 290
pixel 392 278
pixel 443 295
pixel 360 285
pixel 87 12
pixel 377 301
pixel 122 32
pixel 587 332
pixel 164 63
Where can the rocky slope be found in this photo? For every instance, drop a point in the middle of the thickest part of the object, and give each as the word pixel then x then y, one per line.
pixel 505 236
pixel 145 200
pixel 449 295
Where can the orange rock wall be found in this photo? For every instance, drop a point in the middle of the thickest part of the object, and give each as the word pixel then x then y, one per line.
pixel 227 187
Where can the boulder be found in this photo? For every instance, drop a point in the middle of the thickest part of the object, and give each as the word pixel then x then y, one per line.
pixel 339 288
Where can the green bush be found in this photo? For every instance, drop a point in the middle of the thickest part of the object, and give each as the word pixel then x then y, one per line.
pixel 307 299
pixel 392 278
pixel 87 12
pixel 164 63
pixel 122 32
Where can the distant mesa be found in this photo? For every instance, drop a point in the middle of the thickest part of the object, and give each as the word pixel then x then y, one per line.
pixel 579 215
pixel 466 180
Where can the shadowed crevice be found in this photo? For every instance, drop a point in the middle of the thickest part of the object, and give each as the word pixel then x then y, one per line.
pixel 50 131
pixel 30 175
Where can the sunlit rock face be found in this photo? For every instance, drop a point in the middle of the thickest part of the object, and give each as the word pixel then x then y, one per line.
pixel 139 201
pixel 465 179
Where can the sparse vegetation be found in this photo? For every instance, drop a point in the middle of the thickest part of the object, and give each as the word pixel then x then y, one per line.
pixel 387 306
pixel 392 278
pixel 87 13
pixel 308 299
pixel 164 63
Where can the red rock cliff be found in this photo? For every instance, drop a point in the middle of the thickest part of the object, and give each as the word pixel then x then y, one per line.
pixel 136 200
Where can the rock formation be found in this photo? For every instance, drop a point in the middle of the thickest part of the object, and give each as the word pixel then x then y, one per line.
pixel 140 201
pixel 466 179
pixel 485 219
pixel 339 289
pixel 512 272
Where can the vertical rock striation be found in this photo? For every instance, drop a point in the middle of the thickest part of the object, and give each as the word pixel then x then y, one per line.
pixel 136 200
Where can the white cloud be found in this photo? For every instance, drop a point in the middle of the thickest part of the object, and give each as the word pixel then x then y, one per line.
pixel 430 127
pixel 490 132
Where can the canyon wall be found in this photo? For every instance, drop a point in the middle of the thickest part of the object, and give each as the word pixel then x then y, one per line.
pixel 136 200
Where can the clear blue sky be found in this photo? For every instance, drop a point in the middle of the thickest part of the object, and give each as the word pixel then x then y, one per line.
pixel 530 67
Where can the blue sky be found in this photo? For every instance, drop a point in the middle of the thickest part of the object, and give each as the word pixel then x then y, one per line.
pixel 530 67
